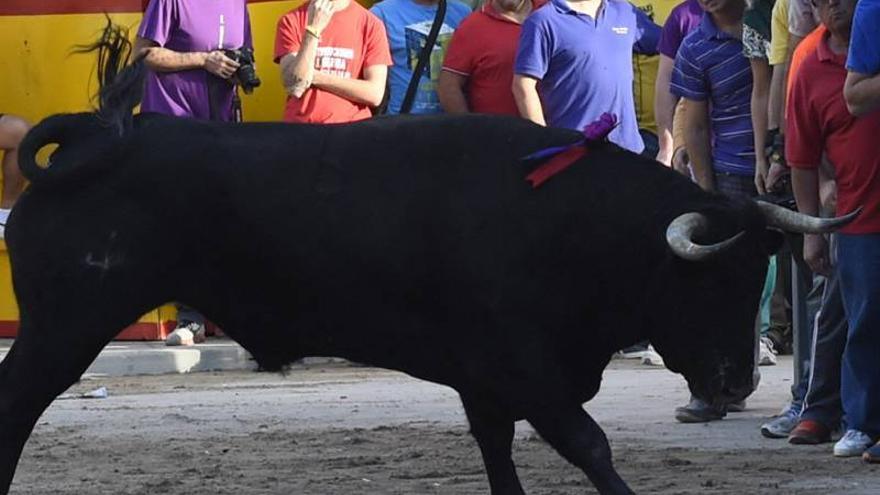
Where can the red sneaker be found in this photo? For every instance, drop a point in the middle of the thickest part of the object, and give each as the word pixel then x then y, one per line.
pixel 809 432
pixel 872 455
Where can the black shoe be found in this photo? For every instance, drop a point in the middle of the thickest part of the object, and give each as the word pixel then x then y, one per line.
pixel 698 411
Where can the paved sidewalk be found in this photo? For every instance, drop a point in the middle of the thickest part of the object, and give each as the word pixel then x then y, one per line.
pixel 155 358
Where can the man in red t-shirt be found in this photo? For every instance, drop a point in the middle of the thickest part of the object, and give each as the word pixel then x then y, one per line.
pixel 818 122
pixel 334 60
pixel 478 69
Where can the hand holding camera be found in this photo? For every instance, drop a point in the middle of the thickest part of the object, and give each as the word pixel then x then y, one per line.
pixel 239 63
pixel 220 65
pixel 246 74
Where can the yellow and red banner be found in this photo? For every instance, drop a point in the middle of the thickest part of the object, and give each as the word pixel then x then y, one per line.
pixel 40 76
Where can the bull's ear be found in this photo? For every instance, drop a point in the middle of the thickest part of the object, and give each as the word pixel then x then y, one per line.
pixel 772 241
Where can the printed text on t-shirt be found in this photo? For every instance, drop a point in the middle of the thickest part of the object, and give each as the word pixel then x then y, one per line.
pixel 334 61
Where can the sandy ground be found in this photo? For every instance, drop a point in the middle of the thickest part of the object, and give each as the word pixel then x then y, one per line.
pixel 341 430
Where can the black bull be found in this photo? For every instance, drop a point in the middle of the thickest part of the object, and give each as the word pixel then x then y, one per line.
pixel 413 244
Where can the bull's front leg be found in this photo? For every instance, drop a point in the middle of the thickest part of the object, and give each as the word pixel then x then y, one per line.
pixel 493 431
pixel 577 438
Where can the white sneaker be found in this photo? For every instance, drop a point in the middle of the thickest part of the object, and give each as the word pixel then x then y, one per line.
pixel 650 357
pixel 781 425
pixel 180 336
pixel 852 444
pixel 767 355
pixel 4 216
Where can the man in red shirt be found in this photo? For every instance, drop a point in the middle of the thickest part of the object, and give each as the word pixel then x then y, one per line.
pixel 818 122
pixel 334 60
pixel 478 70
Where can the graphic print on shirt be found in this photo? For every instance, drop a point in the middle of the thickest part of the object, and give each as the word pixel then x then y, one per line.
pixel 416 37
pixel 334 61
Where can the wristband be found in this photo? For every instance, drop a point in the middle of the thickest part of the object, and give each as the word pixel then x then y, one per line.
pixel 314 32
pixel 775 146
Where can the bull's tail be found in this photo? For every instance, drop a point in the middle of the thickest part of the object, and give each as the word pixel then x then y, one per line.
pixel 85 139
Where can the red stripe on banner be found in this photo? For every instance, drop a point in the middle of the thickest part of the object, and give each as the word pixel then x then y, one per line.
pixel 8 329
pixel 138 331
pixel 47 7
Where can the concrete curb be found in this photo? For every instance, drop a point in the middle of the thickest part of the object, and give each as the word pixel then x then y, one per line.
pixel 155 358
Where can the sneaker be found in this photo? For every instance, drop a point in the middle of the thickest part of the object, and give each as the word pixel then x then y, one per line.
pixel 872 455
pixel 650 357
pixel 767 356
pixel 4 216
pixel 634 351
pixel 186 334
pixel 782 425
pixel 853 443
pixel 698 411
pixel 809 432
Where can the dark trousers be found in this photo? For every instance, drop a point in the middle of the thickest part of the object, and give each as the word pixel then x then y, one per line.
pixel 738 186
pixel 822 399
pixel 186 314
pixel 858 258
pixel 743 186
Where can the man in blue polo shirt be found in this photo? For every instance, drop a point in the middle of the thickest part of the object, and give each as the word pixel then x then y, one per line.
pixel 715 78
pixel 574 63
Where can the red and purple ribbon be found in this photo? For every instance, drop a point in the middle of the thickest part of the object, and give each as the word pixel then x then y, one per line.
pixel 561 157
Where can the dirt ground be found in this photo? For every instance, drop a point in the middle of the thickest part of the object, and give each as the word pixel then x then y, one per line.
pixel 341 430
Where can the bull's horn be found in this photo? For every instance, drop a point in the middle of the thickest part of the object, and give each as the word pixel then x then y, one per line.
pixel 798 223
pixel 680 234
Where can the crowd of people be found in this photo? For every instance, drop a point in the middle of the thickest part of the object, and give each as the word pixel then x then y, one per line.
pixel 746 99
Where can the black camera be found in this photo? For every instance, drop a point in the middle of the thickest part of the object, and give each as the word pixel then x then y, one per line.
pixel 246 75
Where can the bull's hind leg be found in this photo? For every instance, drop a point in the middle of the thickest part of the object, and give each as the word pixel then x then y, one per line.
pixel 493 431
pixel 42 363
pixel 577 438
pixel 70 309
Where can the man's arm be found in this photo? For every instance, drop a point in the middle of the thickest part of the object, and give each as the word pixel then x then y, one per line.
pixel 298 68
pixel 759 106
pixel 805 185
pixel 776 106
pixel 680 161
pixel 450 90
pixel 698 142
pixel 367 91
pixel 160 59
pixel 664 109
pixel 647 34
pixel 862 87
pixel 862 93
pixel 525 92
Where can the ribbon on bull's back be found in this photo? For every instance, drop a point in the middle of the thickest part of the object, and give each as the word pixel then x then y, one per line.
pixel 561 157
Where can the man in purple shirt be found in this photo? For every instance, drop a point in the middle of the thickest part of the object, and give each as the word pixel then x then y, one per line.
pixel 578 55
pixel 182 40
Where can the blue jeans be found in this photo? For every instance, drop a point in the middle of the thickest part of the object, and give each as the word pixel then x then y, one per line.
pixel 859 267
